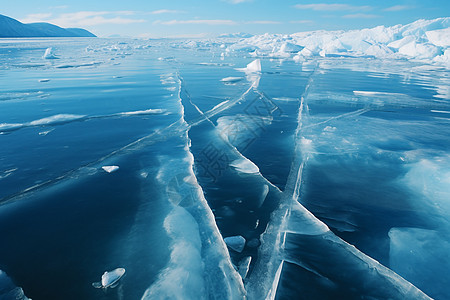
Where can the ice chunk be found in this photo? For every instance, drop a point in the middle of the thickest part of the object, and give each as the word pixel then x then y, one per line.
pixel 45 132
pixel 440 111
pixel 237 243
pixel 231 79
pixel 444 58
pixel 373 94
pixel 253 72
pixel 264 194
pixel 110 279
pixel 254 66
pixel 301 221
pixel 183 276
pixel 418 50
pixel 220 104
pixel 306 52
pixel 10 126
pixel 49 54
pixel 244 266
pixel 290 48
pixel 8 291
pixel 440 37
pixel 245 165
pixel 110 169
pixel 150 111
pixel 397 44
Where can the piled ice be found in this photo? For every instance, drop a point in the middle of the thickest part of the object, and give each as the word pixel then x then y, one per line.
pixel 49 54
pixel 422 39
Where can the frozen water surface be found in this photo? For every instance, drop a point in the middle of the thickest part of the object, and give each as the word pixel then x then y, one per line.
pixel 248 168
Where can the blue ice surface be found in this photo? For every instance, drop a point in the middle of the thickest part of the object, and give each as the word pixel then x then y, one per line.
pixel 365 142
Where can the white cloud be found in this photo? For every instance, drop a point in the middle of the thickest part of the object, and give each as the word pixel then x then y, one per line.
pixel 85 18
pixel 237 1
pixel 333 7
pixel 263 22
pixel 361 16
pixel 33 18
pixel 59 7
pixel 399 8
pixel 301 22
pixel 167 11
pixel 204 22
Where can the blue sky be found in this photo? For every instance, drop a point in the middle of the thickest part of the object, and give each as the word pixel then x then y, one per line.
pixel 178 18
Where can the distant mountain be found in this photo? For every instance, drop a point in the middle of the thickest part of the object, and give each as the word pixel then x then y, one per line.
pixel 236 35
pixel 11 28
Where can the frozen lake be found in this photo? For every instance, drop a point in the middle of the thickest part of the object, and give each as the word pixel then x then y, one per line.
pixel 207 179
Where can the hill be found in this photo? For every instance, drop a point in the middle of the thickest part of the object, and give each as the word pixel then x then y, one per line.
pixel 11 28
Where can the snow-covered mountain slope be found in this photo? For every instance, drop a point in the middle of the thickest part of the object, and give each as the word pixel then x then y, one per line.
pixel 422 39
pixel 10 27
